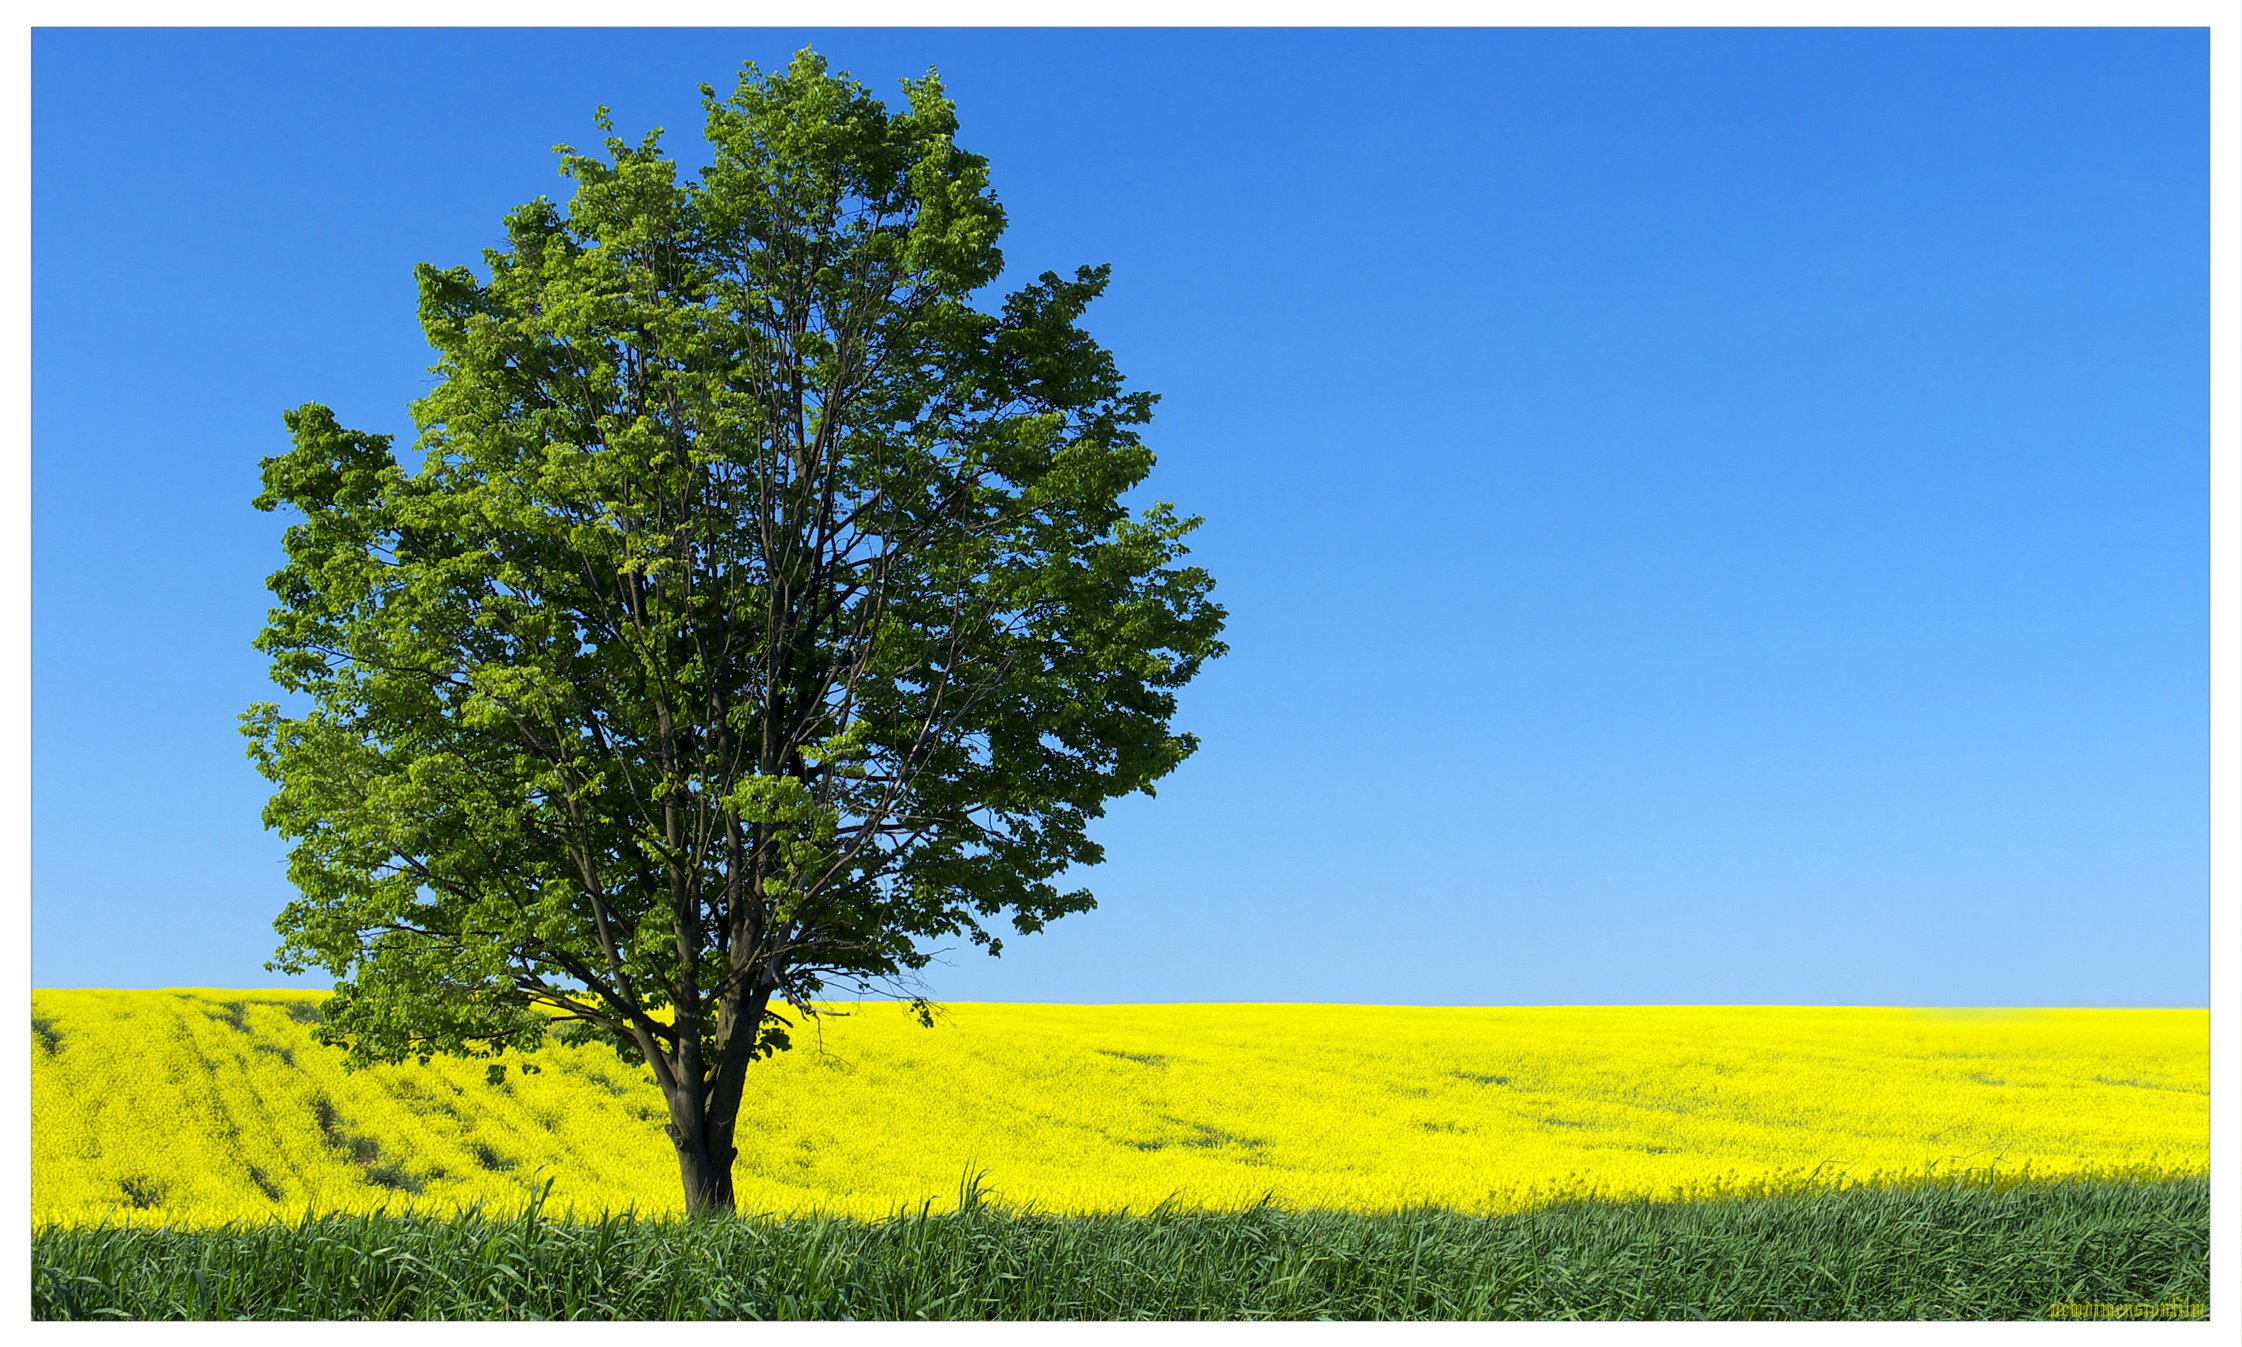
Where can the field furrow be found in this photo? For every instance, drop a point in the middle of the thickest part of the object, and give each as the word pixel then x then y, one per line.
pixel 201 1106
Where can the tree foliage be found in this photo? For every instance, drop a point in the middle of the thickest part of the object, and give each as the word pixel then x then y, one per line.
pixel 761 609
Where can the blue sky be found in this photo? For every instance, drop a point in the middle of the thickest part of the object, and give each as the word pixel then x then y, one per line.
pixel 1706 516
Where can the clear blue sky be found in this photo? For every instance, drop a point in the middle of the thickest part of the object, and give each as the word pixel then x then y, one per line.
pixel 1706 516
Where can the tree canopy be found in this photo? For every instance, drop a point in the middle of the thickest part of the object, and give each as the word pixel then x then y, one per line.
pixel 761 609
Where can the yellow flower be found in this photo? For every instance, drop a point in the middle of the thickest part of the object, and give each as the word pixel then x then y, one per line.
pixel 202 1106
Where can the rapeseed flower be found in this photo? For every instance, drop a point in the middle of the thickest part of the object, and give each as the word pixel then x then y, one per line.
pixel 200 1106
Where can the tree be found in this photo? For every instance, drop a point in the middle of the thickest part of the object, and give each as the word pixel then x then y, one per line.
pixel 760 611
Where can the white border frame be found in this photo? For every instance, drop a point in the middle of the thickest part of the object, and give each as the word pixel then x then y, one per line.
pixel 2224 23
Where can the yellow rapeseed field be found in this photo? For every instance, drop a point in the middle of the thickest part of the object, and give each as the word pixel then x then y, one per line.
pixel 201 1106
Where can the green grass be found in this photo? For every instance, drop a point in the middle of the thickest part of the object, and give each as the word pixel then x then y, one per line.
pixel 1967 1251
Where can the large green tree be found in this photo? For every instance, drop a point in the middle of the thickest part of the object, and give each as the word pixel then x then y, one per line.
pixel 760 610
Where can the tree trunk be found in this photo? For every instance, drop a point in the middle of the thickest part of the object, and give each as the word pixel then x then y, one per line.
pixel 702 1153
pixel 704 1114
pixel 705 1171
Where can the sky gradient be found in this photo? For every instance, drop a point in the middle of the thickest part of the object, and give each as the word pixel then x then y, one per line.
pixel 1706 516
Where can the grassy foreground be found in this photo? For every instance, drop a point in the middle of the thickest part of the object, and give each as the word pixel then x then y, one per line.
pixel 2068 1249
